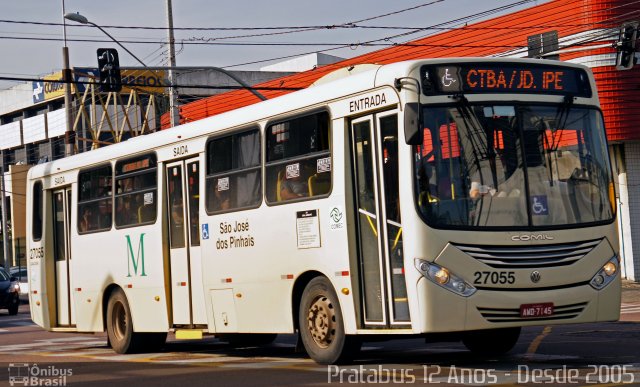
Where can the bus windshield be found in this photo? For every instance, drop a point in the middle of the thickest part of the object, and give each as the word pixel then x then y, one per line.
pixel 511 165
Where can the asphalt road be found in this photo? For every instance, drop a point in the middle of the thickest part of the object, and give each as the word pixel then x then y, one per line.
pixel 602 354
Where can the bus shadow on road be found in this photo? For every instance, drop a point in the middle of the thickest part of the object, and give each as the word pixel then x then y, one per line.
pixel 283 347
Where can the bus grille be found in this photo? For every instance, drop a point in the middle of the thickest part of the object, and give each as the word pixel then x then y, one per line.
pixel 498 315
pixel 528 257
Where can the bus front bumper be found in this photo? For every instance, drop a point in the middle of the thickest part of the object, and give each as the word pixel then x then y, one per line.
pixel 445 311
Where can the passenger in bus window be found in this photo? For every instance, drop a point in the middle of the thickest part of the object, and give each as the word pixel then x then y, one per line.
pixel 125 212
pixel 125 185
pixel 293 187
pixel 105 213
pixel 222 201
pixel 477 189
pixel 85 221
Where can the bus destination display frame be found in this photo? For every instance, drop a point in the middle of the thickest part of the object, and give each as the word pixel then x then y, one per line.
pixel 504 78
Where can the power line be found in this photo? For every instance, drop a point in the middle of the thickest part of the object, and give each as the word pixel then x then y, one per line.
pixel 604 34
pixel 341 25
pixel 333 45
pixel 498 9
pixel 375 42
pixel 211 40
pixel 352 24
pixel 372 43
pixel 347 25
pixel 289 30
pixel 133 84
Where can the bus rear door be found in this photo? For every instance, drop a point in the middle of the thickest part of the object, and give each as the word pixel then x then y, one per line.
pixel 183 204
pixel 65 315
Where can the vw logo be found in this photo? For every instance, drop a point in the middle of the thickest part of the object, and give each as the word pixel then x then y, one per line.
pixel 535 276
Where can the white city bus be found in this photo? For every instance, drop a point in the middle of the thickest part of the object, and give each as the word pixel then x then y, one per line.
pixel 468 197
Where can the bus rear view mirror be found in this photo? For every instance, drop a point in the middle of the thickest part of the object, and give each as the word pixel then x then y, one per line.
pixel 412 130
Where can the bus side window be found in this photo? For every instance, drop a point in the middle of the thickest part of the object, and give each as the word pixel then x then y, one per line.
pixel 94 199
pixel 136 193
pixel 234 174
pixel 298 160
pixel 37 211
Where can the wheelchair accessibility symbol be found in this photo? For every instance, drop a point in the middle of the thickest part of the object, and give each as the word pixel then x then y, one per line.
pixel 447 80
pixel 205 231
pixel 539 205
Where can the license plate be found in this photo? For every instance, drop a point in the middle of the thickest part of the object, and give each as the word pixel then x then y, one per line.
pixel 536 310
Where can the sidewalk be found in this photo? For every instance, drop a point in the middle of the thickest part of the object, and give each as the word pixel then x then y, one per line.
pixel 630 292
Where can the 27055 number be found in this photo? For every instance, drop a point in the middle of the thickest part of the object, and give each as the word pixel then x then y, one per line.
pixel 494 277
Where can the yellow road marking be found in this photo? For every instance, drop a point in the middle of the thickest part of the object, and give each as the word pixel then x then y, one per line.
pixel 533 347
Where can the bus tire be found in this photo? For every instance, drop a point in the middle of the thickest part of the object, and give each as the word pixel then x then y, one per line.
pixel 321 325
pixel 491 342
pixel 120 326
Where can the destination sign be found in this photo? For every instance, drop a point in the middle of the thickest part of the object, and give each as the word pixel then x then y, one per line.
pixel 133 165
pixel 505 78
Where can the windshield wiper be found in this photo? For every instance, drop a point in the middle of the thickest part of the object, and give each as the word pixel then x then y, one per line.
pixel 478 136
pixel 561 119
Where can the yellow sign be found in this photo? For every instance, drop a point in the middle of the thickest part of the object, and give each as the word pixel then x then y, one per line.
pixel 144 81
pixel 53 89
pixel 46 89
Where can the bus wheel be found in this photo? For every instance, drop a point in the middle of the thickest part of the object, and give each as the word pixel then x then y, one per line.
pixel 491 341
pixel 321 325
pixel 119 325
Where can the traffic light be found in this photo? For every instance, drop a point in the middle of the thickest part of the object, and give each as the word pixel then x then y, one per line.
pixel 626 46
pixel 109 68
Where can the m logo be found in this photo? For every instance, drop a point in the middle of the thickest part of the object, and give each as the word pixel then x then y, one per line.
pixel 135 260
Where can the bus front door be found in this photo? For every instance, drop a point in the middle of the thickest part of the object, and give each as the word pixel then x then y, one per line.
pixel 374 156
pixel 65 315
pixel 183 205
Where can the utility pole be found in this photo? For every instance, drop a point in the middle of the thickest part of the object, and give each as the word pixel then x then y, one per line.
pixel 173 108
pixel 5 233
pixel 69 135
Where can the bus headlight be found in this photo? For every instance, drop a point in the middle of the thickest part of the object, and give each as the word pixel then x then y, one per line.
pixel 606 274
pixel 444 278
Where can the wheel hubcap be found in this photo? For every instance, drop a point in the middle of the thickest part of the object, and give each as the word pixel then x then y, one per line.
pixel 321 320
pixel 119 321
